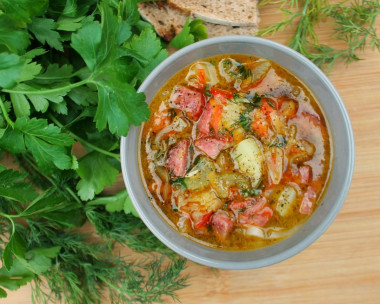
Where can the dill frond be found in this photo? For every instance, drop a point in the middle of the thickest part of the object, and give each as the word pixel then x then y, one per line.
pixel 353 23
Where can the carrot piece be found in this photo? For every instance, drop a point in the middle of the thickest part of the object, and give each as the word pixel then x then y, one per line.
pixel 216 117
pixel 160 121
pixel 294 150
pixel 260 128
pixel 202 76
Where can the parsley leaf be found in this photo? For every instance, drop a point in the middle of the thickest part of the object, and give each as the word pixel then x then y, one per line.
pixel 44 30
pixel 148 49
pixel 15 277
pixel 96 172
pixel 44 141
pixel 115 203
pixel 12 37
pixel 119 105
pixel 54 73
pixel 23 10
pixel 10 69
pixel 191 32
pixel 86 42
pixel 12 186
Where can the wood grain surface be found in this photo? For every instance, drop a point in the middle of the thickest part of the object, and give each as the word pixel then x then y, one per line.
pixel 343 265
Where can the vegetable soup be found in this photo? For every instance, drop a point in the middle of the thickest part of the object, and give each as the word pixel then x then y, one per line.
pixel 236 152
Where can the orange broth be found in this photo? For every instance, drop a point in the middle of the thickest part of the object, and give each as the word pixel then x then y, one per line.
pixel 236 153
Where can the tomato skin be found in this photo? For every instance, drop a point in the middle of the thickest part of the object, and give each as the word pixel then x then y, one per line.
pixel 215 91
pixel 204 220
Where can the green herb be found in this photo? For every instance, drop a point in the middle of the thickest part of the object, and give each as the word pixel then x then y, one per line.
pixel 69 75
pixel 255 100
pixel 271 104
pixel 354 25
pixel 207 90
pixel 179 182
pixel 244 72
pixel 228 131
pixel 172 114
pixel 192 31
pixel 245 122
pixel 251 192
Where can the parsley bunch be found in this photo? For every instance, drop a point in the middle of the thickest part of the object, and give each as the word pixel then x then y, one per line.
pixel 69 71
pixel 353 24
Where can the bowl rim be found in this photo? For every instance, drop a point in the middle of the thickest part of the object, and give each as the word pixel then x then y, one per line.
pixel 323 225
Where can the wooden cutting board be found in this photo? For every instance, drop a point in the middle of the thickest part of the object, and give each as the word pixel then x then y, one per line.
pixel 343 265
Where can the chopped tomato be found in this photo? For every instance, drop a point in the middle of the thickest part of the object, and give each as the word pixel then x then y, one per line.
pixel 177 158
pixel 215 91
pixel 204 220
pixel 191 102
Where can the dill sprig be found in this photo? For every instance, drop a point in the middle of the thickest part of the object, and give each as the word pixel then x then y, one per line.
pixel 83 270
pixel 354 24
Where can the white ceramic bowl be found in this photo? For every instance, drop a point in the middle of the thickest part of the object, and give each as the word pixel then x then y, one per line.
pixel 343 160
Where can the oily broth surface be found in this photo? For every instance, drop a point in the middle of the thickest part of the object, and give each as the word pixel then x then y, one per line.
pixel 320 163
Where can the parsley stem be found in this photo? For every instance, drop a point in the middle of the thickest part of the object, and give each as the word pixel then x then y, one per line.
pixel 50 91
pixel 83 141
pixel 58 77
pixel 5 114
pixel 51 180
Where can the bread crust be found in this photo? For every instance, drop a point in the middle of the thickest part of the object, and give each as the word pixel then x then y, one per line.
pixel 168 21
pixel 225 12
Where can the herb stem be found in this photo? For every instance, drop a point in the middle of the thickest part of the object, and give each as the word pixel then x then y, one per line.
pixel 113 286
pixel 83 141
pixel 5 114
pixel 72 193
pixel 51 180
pixel 50 91
pixel 9 217
pixel 58 77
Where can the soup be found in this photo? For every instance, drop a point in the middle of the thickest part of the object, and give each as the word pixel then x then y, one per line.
pixel 236 153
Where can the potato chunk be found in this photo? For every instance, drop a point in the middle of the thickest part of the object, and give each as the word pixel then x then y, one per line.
pixel 249 158
pixel 286 200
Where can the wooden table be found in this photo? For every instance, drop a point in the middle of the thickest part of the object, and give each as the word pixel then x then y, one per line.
pixel 343 265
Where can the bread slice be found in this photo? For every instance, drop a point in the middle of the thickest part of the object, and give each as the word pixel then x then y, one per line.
pixel 168 22
pixel 227 12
